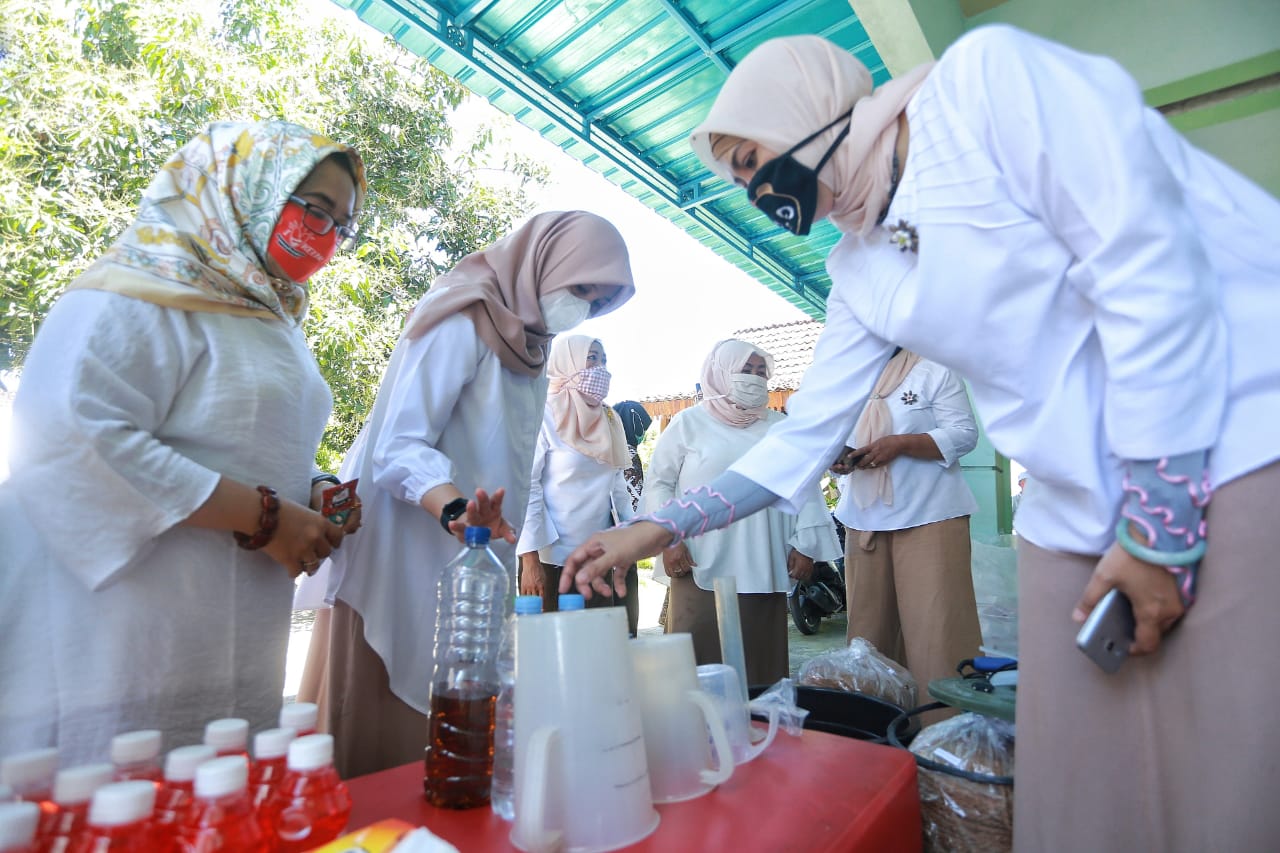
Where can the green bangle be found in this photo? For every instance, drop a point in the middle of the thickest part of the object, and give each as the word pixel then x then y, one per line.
pixel 1160 558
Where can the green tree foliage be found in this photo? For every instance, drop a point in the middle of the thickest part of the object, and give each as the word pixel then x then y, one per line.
pixel 96 94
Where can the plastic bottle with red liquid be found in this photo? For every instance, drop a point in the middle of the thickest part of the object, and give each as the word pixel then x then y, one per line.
pixel 470 610
pixel 229 736
pixel 18 827
pixel 270 762
pixel 29 776
pixel 120 820
pixel 177 791
pixel 302 717
pixel 311 805
pixel 221 817
pixel 136 755
pixel 73 789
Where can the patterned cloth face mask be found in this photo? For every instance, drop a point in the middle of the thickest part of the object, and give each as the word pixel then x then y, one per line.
pixel 593 383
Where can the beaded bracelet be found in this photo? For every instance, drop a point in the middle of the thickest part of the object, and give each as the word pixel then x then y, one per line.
pixel 1151 555
pixel 267 522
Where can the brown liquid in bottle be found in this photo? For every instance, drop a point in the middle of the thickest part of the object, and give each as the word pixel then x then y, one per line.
pixel 459 764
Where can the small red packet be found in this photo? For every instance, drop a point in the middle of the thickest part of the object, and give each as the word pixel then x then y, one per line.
pixel 339 501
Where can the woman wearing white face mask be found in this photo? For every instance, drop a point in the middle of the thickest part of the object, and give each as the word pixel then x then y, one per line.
pixel 578 480
pixel 763 553
pixel 456 415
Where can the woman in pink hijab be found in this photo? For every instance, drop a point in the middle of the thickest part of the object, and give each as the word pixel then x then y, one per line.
pixel 1016 213
pixel 454 420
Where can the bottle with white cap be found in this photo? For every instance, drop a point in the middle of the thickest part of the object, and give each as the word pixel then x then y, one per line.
pixel 30 775
pixel 73 788
pixel 120 820
pixel 136 755
pixel 18 827
pixel 301 717
pixel 173 800
pixel 270 761
pixel 222 818
pixel 229 736
pixel 311 805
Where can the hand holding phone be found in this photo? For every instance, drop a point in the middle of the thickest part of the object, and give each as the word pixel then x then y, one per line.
pixel 1108 632
pixel 846 460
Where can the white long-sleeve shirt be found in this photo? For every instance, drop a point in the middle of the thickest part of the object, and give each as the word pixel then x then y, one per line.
pixel 693 450
pixel 447 412
pixel 113 616
pixel 1108 290
pixel 931 400
pixel 571 496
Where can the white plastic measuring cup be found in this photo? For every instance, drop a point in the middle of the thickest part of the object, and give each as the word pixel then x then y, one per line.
pixel 582 780
pixel 720 682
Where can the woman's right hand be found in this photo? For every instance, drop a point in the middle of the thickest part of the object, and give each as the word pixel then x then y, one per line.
pixel 677 561
pixel 303 538
pixel 531 574
pixel 591 563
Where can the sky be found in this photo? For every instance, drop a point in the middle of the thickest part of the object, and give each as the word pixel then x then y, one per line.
pixel 687 297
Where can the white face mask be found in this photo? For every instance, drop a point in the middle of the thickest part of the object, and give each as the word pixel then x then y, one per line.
pixel 561 311
pixel 749 391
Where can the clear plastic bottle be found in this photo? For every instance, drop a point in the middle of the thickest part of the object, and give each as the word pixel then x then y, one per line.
pixel 301 717
pixel 120 820
pixel 136 755
pixel 18 827
pixel 502 793
pixel 29 775
pixel 311 805
pixel 229 736
pixel 73 789
pixel 471 607
pixel 177 792
pixel 221 817
pixel 270 761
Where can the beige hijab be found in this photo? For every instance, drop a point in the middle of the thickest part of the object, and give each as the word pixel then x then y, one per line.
pixel 789 87
pixel 593 429
pixel 874 484
pixel 498 287
pixel 727 359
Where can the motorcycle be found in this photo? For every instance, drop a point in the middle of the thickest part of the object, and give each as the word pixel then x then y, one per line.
pixel 822 595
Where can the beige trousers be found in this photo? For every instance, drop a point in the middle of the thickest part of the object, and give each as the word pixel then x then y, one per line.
pixel 1179 751
pixel 912 597
pixel 763 617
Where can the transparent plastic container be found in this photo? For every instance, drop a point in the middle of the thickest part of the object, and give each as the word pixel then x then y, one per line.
pixel 502 794
pixel 310 805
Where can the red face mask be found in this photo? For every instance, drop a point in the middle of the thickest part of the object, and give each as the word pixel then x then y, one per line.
pixel 298 250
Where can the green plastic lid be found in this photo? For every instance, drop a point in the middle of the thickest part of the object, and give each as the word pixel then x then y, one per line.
pixel 970 694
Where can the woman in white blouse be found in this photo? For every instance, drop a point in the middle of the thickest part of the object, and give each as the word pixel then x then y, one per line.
pixel 906 506
pixel 1016 213
pixel 764 554
pixel 456 415
pixel 578 481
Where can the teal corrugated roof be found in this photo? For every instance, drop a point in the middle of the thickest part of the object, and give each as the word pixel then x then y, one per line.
pixel 620 84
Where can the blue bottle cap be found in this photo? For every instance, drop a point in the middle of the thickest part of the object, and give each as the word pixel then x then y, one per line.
pixel 572 601
pixel 528 604
pixel 477 536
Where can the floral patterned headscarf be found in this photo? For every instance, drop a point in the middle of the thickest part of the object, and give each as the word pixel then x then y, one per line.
pixel 202 229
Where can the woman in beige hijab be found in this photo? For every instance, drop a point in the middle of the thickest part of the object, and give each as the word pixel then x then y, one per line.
pixel 455 417
pixel 1018 214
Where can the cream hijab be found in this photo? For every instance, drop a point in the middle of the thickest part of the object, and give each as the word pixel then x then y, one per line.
pixel 725 361
pixel 205 221
pixel 593 429
pixel 871 485
pixel 789 87
pixel 498 287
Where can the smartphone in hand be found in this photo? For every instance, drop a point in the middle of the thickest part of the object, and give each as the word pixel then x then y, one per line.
pixel 1108 632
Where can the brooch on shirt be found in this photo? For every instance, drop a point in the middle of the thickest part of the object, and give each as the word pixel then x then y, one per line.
pixel 909 398
pixel 904 236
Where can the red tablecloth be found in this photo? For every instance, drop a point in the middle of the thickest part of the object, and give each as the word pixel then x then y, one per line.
pixel 817 792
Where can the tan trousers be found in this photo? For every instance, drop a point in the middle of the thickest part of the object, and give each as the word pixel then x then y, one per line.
pixel 763 617
pixel 1179 751
pixel 912 597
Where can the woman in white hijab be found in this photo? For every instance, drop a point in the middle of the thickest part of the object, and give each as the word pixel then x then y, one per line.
pixel 1016 213
pixel 764 554
pixel 455 417
pixel 578 481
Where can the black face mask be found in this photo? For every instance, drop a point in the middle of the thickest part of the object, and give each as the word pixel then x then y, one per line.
pixel 786 190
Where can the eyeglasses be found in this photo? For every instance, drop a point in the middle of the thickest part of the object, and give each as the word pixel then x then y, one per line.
pixel 320 221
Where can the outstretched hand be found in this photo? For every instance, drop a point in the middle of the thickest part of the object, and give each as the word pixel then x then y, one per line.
pixel 484 510
pixel 591 563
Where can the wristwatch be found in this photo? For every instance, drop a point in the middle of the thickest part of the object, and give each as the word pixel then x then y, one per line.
pixel 452 510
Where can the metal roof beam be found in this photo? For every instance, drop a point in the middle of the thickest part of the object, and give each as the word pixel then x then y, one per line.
pixel 471 11
pixel 574 34
pixel 695 33
pixel 522 26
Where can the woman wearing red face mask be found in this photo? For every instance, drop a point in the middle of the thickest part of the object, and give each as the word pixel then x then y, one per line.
pixel 163 492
